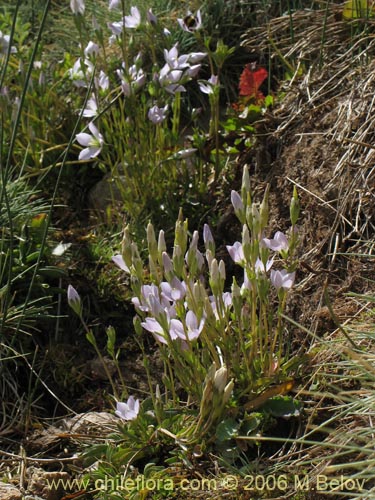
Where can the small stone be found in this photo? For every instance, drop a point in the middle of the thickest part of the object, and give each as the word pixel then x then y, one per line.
pixel 9 492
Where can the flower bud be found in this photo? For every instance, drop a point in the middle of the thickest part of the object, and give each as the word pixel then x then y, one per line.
pixel 181 234
pixel 208 239
pixel 246 246
pixel 245 188
pixel 126 250
pixel 74 300
pixel 162 247
pixel 222 270
pixel 220 379
pixel 214 277
pixel 168 266
pixel 178 261
pixel 264 208
pixel 238 206
pixel 294 207
pixel 228 392
pixel 151 242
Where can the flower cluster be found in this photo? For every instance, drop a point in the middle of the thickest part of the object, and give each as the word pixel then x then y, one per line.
pixel 187 308
pixel 162 84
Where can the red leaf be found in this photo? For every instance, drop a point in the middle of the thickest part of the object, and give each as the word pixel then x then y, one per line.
pixel 250 81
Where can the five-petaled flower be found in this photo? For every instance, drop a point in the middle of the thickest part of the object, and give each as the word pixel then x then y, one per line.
pixel 282 279
pixel 128 410
pixel 278 243
pixel 93 143
pixel 157 115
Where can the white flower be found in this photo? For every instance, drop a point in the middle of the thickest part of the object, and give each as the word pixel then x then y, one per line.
pixel 128 410
pixel 209 86
pixel 92 48
pixel 157 115
pixel 4 44
pixel 93 143
pixel 77 6
pixel 78 76
pixel 91 108
pixel 134 20
pixel 103 81
pixel 119 261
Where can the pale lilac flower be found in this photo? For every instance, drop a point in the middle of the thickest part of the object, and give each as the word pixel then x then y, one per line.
pixel 93 143
pixel 191 23
pixel 103 81
pixel 193 328
pixel 151 301
pixel 282 279
pixel 74 300
pixel 77 6
pixel 154 327
pixel 4 44
pixel 227 302
pixel 128 410
pixel 236 252
pixel 167 263
pixel 77 74
pixel 134 20
pixel 278 243
pixel 157 115
pixel 133 80
pixel 116 28
pixel 119 261
pixel 209 86
pixel 114 4
pixel 175 290
pixel 91 49
pixel 207 237
pixel 91 109
pixel 261 268
pixel 177 329
pixel 175 61
pixel 236 201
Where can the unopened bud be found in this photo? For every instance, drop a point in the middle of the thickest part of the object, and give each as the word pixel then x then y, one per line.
pixel 264 208
pixel 208 239
pixel 246 246
pixel 214 277
pixel 294 207
pixel 151 242
pixel 245 188
pixel 238 206
pixel 74 300
pixel 178 261
pixel 181 233
pixel 228 392
pixel 126 250
pixel 222 270
pixel 220 379
pixel 162 247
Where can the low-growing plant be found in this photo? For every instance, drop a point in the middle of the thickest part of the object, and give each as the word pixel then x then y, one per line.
pixel 228 365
